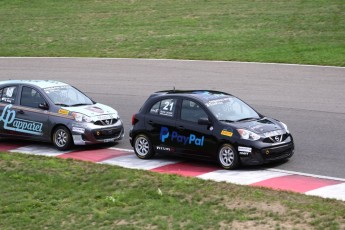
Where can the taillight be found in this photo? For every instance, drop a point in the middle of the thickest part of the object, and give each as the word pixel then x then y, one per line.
pixel 134 120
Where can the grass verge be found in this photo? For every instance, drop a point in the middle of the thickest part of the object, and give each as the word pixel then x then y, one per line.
pixel 296 31
pixel 50 193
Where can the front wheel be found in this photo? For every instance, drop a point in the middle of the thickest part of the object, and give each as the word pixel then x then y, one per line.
pixel 62 138
pixel 228 157
pixel 142 147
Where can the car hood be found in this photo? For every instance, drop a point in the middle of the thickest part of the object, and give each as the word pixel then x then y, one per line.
pixel 261 126
pixel 96 111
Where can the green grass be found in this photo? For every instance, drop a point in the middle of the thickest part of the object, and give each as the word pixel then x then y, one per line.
pixel 296 31
pixel 51 193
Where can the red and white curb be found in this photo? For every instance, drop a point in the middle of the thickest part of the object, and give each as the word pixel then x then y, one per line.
pixel 326 187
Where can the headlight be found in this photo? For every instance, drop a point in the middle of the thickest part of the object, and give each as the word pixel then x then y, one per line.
pixel 248 135
pixel 285 127
pixel 81 117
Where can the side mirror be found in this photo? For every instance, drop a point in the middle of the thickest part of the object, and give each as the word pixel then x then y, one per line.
pixel 43 106
pixel 204 121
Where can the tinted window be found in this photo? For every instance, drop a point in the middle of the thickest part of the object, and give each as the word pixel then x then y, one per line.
pixel 8 94
pixel 165 107
pixel 191 111
pixel 31 97
pixel 67 95
pixel 231 108
pixel 155 108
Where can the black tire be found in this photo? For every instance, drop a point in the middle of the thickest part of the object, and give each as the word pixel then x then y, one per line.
pixel 62 138
pixel 228 157
pixel 142 147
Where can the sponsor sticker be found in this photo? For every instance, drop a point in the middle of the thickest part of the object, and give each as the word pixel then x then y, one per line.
pixel 104 117
pixel 226 133
pixel 8 116
pixel 244 149
pixel 95 109
pixel 78 130
pixel 274 133
pixel 63 111
pixel 192 139
pixel 218 101
pixel 109 140
pixel 163 148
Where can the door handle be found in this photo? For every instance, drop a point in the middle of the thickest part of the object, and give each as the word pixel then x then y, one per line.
pixel 181 128
pixel 151 122
pixel 20 111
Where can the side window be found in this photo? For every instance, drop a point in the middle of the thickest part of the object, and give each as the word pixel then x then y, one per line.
pixel 155 108
pixel 31 97
pixel 8 94
pixel 165 108
pixel 191 111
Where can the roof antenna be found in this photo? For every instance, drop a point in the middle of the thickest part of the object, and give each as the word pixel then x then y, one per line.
pixel 174 89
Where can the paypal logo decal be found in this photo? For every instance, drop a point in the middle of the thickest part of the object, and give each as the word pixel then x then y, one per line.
pixel 164 134
pixel 175 136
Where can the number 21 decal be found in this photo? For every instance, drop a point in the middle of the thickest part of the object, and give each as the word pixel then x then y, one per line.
pixel 168 106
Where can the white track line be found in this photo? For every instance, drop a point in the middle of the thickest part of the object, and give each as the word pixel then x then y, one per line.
pixel 180 60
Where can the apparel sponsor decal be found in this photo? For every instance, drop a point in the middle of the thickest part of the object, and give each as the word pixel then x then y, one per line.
pixel 63 111
pixel 226 133
pixel 20 125
pixel 175 136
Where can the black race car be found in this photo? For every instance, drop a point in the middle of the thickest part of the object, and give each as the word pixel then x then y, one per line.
pixel 208 124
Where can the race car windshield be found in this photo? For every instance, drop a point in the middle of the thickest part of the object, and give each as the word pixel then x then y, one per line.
pixel 67 96
pixel 231 109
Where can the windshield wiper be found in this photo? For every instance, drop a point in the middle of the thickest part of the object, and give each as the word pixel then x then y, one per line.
pixel 62 104
pixel 229 121
pixel 247 118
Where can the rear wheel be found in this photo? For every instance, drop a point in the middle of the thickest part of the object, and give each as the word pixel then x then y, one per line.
pixel 228 157
pixel 142 147
pixel 62 138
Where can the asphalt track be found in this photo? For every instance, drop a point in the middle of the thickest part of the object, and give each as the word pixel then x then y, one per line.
pixel 309 99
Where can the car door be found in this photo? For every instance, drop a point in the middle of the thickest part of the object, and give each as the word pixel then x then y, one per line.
pixel 193 138
pixel 31 118
pixel 160 124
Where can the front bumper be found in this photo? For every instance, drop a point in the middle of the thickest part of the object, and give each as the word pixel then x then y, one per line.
pixel 261 153
pixel 85 134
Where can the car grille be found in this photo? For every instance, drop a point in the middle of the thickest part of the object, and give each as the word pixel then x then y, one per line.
pixel 277 153
pixel 106 122
pixel 107 133
pixel 276 139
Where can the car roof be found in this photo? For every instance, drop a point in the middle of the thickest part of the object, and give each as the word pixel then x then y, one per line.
pixel 39 83
pixel 203 95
